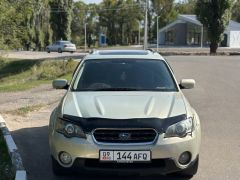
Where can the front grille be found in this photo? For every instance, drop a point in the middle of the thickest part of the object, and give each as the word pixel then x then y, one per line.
pixel 125 135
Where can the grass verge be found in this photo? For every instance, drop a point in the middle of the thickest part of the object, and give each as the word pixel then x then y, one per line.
pixel 17 75
pixel 6 169
pixel 23 111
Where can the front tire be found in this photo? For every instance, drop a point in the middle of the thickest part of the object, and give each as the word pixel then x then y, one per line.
pixel 59 50
pixel 57 169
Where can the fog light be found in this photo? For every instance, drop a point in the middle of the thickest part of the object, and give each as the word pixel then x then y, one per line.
pixel 184 158
pixel 65 158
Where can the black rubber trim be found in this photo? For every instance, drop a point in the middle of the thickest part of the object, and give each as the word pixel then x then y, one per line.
pixel 89 124
pixel 157 166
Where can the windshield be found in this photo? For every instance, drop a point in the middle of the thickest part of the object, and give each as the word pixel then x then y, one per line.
pixel 124 75
pixel 65 42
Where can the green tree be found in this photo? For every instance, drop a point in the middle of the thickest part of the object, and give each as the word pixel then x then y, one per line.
pixel 91 19
pixel 120 19
pixel 12 31
pixel 85 13
pixel 77 27
pixel 61 18
pixel 215 16
pixel 165 10
pixel 37 20
pixel 236 11
pixel 186 7
pixel 24 24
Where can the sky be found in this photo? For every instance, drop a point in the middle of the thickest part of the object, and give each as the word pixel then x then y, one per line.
pixel 92 1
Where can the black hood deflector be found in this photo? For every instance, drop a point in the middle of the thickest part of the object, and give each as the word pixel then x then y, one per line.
pixel 89 124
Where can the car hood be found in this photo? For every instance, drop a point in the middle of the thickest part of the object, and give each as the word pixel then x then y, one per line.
pixel 124 105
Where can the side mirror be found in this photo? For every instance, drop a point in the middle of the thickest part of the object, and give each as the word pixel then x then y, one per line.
pixel 60 84
pixel 187 83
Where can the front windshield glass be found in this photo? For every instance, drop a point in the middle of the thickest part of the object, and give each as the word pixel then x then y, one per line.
pixel 124 75
pixel 65 42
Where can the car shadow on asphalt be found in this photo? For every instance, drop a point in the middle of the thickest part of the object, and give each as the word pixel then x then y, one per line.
pixel 34 149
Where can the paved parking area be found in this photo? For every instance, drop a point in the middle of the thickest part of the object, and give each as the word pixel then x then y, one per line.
pixel 216 98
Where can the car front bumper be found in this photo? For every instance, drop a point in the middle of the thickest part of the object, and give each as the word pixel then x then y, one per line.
pixel 165 153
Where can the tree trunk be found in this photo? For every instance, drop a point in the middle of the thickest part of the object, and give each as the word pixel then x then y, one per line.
pixel 213 48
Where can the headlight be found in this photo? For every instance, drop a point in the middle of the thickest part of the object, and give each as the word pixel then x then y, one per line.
pixel 180 129
pixel 68 129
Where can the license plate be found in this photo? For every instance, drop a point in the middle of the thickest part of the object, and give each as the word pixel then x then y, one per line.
pixel 125 156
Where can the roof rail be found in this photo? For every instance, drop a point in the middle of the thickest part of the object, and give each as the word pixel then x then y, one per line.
pixel 152 50
pixel 93 51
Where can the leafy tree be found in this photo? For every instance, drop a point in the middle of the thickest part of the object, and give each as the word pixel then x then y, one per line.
pixel 121 19
pixel 166 11
pixel 77 27
pixel 37 21
pixel 186 7
pixel 236 11
pixel 24 24
pixel 92 24
pixel 215 16
pixel 61 18
pixel 83 13
pixel 12 32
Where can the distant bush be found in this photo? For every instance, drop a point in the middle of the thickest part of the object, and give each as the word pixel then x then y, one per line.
pixel 48 70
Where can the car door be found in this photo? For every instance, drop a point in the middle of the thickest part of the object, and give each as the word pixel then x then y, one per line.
pixel 56 46
pixel 52 47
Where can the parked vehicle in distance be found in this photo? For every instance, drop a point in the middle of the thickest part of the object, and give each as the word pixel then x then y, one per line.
pixel 124 112
pixel 61 46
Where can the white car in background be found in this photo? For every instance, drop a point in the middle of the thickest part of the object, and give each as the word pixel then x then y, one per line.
pixel 61 46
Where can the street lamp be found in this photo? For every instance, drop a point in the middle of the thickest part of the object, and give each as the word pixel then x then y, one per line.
pixel 157 32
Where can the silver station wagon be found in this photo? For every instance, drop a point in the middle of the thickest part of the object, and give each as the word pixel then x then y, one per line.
pixel 124 112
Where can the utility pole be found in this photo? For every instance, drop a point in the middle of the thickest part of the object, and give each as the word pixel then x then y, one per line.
pixel 146 26
pixel 202 36
pixel 157 33
pixel 139 34
pixel 85 32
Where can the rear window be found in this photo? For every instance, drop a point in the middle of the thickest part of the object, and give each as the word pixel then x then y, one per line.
pixel 122 74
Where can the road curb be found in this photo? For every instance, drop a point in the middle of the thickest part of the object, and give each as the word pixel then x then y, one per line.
pixel 13 152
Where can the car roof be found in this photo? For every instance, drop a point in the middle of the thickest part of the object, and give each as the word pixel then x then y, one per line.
pixel 122 54
pixel 62 41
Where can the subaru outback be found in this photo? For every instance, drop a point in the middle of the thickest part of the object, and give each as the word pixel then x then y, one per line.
pixel 124 112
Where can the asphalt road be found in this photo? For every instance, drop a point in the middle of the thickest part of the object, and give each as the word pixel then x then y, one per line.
pixel 216 98
pixel 41 55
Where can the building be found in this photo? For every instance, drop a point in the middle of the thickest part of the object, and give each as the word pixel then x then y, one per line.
pixel 188 31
